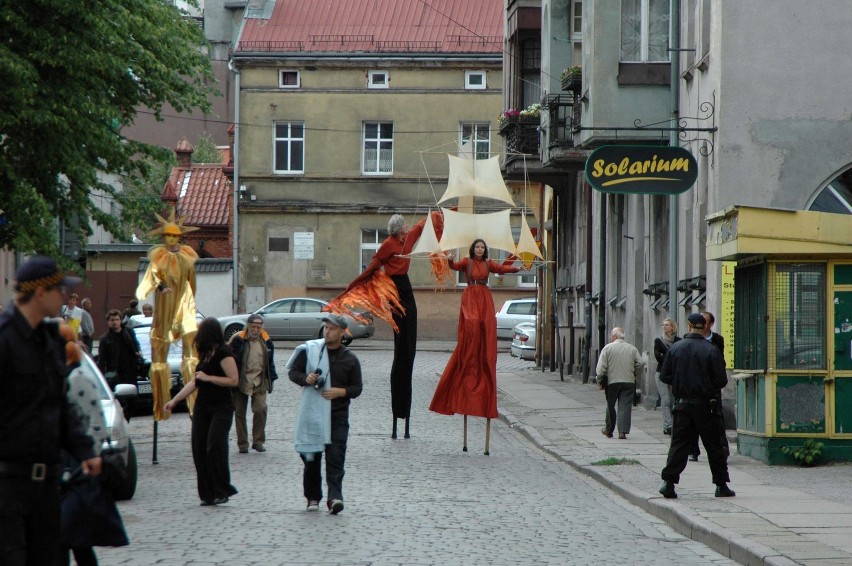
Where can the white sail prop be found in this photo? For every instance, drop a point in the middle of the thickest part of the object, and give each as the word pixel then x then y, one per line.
pixel 526 243
pixel 461 229
pixel 427 243
pixel 478 178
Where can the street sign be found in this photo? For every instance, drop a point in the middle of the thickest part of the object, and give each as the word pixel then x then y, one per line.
pixel 641 169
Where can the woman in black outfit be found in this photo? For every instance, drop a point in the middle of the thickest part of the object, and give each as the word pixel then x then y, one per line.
pixel 215 375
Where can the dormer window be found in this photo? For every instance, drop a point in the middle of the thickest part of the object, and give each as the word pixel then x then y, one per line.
pixel 378 79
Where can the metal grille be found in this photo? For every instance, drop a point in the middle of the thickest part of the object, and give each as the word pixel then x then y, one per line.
pixel 750 320
pixel 798 326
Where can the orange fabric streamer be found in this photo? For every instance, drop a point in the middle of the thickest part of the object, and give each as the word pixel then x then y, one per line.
pixel 377 294
pixel 441 270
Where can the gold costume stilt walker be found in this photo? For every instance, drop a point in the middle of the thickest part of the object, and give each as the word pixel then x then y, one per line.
pixel 171 273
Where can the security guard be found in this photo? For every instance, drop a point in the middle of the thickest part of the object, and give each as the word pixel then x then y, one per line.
pixel 35 417
pixel 696 371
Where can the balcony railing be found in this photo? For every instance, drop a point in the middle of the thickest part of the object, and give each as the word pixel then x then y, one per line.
pixel 521 136
pixel 563 111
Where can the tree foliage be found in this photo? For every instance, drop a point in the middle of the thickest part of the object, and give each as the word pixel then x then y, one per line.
pixel 205 151
pixel 74 76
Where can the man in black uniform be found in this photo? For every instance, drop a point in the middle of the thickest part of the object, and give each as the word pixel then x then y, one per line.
pixel 344 370
pixel 36 419
pixel 696 371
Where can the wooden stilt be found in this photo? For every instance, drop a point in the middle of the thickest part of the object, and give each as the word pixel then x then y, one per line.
pixel 487 434
pixel 464 449
pixel 393 434
pixel 154 454
pixel 407 435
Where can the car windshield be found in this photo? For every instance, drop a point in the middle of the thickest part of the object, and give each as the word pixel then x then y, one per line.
pixel 143 335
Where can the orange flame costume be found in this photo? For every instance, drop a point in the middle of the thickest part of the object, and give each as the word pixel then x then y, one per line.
pixel 171 266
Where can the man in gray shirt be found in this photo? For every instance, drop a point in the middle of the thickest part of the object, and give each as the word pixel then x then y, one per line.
pixel 621 363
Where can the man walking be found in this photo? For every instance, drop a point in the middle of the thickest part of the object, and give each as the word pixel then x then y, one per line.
pixel 119 355
pixel 254 353
pixel 87 325
pixel 696 371
pixel 36 418
pixel 331 376
pixel 622 365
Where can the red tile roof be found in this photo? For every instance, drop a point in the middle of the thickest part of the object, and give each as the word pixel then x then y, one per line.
pixel 376 26
pixel 202 192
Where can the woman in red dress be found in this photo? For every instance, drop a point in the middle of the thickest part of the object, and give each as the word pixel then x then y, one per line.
pixel 468 385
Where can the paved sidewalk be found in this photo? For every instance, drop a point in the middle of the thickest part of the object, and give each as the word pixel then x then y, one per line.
pixel 781 515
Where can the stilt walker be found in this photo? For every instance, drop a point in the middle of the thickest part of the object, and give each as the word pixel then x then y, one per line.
pixel 171 277
pixel 393 303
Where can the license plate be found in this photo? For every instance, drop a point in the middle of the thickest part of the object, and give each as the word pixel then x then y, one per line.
pixel 144 387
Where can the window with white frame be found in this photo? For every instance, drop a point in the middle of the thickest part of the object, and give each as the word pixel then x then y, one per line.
pixel 378 148
pixel 289 147
pixel 576 19
pixel 289 78
pixel 476 138
pixel 644 30
pixel 474 80
pixel 371 240
pixel 378 79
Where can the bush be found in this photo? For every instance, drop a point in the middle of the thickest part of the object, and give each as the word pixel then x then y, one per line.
pixel 807 454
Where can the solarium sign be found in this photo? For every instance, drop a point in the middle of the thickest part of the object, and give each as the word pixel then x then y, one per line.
pixel 641 169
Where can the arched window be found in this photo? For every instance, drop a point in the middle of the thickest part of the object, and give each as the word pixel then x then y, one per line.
pixel 835 197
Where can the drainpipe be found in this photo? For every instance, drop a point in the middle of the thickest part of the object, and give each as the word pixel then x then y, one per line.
pixel 235 288
pixel 602 271
pixel 587 350
pixel 673 141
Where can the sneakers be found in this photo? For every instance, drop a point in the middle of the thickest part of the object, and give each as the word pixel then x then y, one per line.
pixel 667 490
pixel 313 506
pixel 606 433
pixel 335 506
pixel 722 490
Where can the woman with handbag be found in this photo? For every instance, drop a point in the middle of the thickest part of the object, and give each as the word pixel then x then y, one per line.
pixel 661 346
pixel 213 413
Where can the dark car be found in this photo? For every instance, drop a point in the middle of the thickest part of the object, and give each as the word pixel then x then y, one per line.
pixel 297 319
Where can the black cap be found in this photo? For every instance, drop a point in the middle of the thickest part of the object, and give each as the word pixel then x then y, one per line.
pixel 40 271
pixel 696 320
pixel 336 320
pixel 254 318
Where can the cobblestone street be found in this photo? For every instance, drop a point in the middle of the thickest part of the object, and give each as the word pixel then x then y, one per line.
pixel 416 501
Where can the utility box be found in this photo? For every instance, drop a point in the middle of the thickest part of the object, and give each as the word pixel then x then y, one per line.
pixel 792 329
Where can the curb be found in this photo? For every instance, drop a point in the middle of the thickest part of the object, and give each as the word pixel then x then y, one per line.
pixel 682 519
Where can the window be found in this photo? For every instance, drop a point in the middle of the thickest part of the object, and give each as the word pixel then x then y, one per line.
pixel 800 312
pixel 289 147
pixel 378 148
pixel 478 139
pixel 370 242
pixel 378 79
pixel 576 19
pixel 644 30
pixel 531 71
pixel 289 79
pixel 474 80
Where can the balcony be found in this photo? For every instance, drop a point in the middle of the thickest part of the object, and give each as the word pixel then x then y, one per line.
pixel 520 135
pixel 563 119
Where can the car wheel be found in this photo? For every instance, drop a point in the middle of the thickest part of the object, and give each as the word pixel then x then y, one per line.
pixel 231 330
pixel 128 487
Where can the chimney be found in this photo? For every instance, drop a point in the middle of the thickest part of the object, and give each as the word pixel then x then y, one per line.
pixel 183 151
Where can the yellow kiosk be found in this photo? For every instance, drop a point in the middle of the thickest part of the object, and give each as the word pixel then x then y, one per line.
pixel 793 327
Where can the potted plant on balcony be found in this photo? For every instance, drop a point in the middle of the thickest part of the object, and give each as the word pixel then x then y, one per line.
pixel 572 79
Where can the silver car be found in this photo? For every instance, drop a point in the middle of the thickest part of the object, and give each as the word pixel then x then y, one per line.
pixel 523 341
pixel 297 319
pixel 514 312
pixel 117 429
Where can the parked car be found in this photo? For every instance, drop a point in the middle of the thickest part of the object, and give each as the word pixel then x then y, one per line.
pixel 297 319
pixel 523 341
pixel 117 429
pixel 141 325
pixel 514 312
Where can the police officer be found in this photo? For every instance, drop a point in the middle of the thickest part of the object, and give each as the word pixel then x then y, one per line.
pixel 696 371
pixel 35 416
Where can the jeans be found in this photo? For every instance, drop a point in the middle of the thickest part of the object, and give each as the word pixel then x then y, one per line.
pixel 335 457
pixel 665 391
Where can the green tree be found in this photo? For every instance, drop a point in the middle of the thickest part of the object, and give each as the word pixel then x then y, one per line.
pixel 74 76
pixel 205 151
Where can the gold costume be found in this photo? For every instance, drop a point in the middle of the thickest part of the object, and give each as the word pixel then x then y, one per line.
pixel 174 316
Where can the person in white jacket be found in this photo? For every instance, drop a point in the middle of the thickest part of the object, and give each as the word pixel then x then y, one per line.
pixel 622 365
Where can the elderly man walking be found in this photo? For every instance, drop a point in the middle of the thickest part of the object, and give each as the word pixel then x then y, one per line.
pixel 621 363
pixel 254 352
